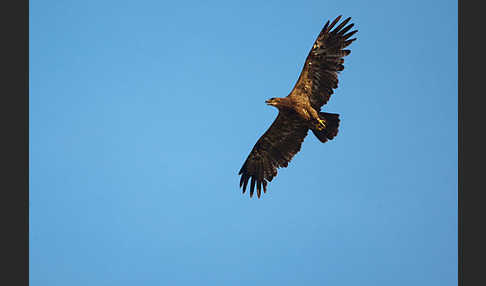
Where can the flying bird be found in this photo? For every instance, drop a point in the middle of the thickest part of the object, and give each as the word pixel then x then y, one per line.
pixel 301 109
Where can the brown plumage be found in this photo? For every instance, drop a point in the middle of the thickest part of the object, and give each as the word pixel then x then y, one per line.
pixel 300 110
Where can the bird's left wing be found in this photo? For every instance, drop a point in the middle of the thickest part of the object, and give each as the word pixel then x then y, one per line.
pixel 319 77
pixel 273 150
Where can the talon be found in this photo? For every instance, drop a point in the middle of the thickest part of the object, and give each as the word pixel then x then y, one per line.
pixel 321 125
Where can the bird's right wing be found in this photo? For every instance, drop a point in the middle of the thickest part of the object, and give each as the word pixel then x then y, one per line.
pixel 273 150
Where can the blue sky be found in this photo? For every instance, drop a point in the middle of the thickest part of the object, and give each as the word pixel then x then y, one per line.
pixel 142 113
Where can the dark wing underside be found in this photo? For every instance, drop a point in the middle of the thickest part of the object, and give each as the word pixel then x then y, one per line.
pixel 320 73
pixel 273 150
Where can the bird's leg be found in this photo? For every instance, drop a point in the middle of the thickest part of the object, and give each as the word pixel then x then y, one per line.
pixel 321 124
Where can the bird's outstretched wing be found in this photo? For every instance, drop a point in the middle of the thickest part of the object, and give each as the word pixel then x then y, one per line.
pixel 320 73
pixel 273 150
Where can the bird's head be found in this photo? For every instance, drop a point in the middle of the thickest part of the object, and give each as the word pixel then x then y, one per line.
pixel 274 101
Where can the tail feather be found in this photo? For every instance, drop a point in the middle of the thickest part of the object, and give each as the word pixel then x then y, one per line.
pixel 332 125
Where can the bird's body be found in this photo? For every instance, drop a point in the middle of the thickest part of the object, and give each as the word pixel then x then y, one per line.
pixel 297 104
pixel 300 110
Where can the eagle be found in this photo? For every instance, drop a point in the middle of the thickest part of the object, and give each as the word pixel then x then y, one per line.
pixel 301 109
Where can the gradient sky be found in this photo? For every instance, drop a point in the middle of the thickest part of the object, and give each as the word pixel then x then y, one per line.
pixel 142 113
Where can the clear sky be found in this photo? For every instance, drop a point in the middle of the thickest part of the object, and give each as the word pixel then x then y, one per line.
pixel 142 113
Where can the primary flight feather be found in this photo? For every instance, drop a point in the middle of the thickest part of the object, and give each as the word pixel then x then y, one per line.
pixel 301 109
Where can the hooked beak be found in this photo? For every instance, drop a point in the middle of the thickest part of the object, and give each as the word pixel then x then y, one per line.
pixel 269 102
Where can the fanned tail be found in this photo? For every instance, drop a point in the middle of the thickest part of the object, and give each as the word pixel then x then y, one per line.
pixel 332 125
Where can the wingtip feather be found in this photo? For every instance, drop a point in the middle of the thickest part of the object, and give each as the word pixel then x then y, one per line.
pixel 245 183
pixel 343 23
pixel 252 186
pixel 333 23
pixel 345 37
